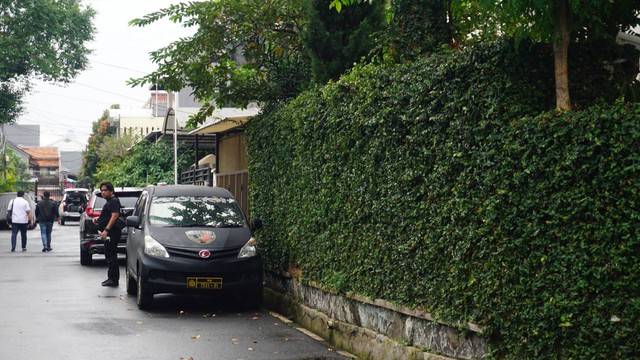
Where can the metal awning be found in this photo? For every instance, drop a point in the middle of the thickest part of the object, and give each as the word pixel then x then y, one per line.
pixel 220 126
pixel 229 119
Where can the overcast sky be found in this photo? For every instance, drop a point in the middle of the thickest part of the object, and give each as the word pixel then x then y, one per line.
pixel 119 53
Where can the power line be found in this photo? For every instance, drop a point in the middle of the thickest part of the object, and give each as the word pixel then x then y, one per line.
pixel 119 67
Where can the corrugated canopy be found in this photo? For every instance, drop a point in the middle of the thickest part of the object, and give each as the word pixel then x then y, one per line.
pixel 220 126
pixel 227 120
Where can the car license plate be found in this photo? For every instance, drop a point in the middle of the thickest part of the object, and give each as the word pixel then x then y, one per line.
pixel 204 283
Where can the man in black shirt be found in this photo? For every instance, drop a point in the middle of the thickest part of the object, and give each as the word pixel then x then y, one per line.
pixel 106 223
pixel 46 213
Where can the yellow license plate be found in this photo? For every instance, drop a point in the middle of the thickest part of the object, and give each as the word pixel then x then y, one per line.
pixel 204 283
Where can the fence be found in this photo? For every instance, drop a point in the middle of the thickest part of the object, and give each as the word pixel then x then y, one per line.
pixel 52 185
pixel 238 184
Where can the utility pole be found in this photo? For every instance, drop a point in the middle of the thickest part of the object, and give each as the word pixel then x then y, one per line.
pixel 4 156
pixel 175 136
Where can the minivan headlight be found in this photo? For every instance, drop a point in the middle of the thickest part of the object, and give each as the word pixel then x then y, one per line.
pixel 154 248
pixel 249 249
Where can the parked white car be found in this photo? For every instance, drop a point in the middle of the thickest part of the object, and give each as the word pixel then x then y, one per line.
pixel 73 201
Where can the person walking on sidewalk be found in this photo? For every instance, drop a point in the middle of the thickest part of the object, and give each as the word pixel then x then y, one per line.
pixel 106 223
pixel 46 214
pixel 21 217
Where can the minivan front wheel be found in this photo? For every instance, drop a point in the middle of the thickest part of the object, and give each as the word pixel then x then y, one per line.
pixel 130 282
pixel 144 299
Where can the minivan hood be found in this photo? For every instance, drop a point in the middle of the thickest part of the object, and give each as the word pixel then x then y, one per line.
pixel 200 237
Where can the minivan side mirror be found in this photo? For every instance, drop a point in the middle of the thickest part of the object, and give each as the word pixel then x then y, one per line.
pixel 256 224
pixel 133 221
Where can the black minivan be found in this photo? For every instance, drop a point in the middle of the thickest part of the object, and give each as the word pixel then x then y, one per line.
pixel 191 239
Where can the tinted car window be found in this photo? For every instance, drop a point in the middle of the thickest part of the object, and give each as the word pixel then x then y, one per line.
pixel 195 211
pixel 76 199
pixel 128 202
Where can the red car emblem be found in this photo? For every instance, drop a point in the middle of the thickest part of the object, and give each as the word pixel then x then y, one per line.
pixel 204 253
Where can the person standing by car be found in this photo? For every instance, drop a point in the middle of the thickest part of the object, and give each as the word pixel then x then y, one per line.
pixel 106 224
pixel 46 214
pixel 21 217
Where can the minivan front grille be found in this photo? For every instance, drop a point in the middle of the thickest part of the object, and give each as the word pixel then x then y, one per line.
pixel 194 253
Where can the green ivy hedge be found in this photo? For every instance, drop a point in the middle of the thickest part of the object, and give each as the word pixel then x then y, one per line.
pixel 443 185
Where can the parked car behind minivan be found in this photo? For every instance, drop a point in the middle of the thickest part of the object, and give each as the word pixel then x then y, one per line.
pixel 90 242
pixel 191 239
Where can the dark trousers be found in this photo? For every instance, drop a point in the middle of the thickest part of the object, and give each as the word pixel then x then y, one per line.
pixel 15 228
pixel 45 234
pixel 111 255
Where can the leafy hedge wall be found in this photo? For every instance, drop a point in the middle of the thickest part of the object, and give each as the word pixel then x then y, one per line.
pixel 432 186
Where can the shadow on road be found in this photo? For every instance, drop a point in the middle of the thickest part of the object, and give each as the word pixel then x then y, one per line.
pixel 198 304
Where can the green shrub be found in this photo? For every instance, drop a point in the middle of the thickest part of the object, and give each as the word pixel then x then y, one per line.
pixel 439 185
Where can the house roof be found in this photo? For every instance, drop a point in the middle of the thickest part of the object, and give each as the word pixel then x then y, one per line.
pixel 43 156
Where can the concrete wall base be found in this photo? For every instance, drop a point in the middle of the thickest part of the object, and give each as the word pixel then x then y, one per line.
pixel 370 329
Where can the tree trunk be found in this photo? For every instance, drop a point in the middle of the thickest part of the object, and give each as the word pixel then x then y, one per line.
pixel 561 54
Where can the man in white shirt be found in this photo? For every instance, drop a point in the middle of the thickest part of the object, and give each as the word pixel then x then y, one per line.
pixel 21 217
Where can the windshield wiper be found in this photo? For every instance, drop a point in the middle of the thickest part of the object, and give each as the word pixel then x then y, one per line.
pixel 188 225
pixel 206 225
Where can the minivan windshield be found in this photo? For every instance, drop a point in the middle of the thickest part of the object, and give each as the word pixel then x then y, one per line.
pixel 195 211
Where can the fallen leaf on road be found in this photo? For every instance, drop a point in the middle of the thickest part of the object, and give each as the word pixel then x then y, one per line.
pixel 196 337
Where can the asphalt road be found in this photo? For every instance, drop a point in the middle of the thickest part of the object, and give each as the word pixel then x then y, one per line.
pixel 51 307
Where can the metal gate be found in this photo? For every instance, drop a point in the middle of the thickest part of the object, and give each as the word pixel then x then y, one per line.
pixel 52 185
pixel 238 184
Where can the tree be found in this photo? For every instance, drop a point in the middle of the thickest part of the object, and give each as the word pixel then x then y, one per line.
pixel 336 41
pixel 116 148
pixel 558 22
pixel 42 39
pixel 561 22
pixel 418 28
pixel 91 156
pixel 15 171
pixel 146 163
pixel 242 51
